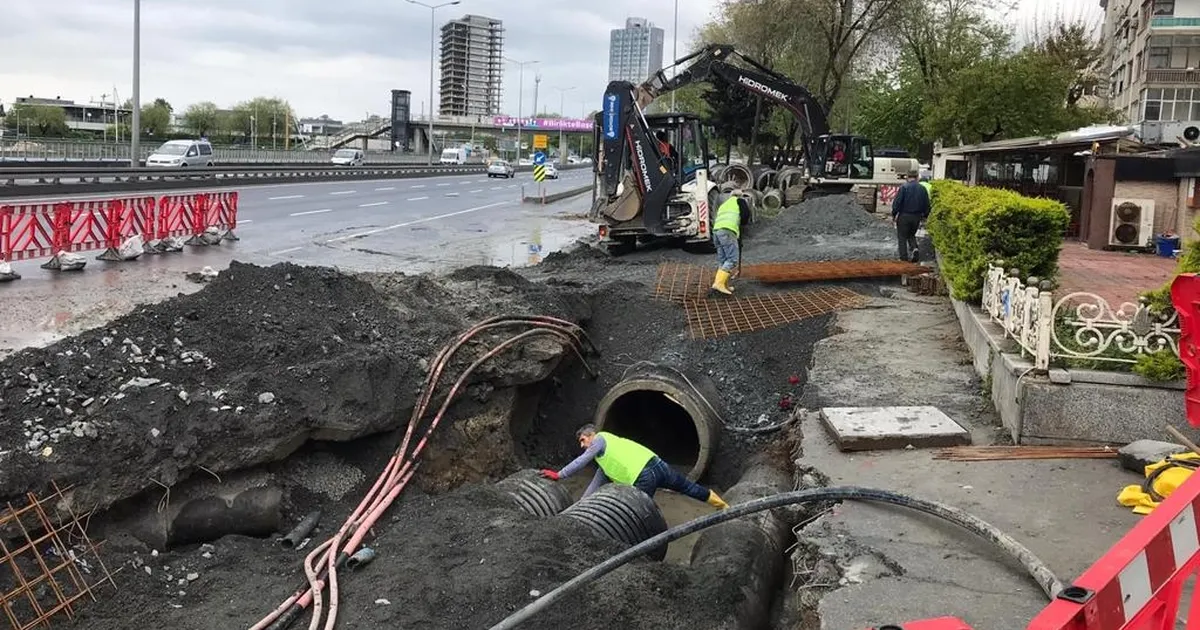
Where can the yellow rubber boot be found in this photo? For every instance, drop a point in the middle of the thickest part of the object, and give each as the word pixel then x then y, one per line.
pixel 721 282
pixel 716 501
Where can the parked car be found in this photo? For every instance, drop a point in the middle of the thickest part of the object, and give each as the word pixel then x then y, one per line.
pixel 500 168
pixel 348 157
pixel 181 154
pixel 551 171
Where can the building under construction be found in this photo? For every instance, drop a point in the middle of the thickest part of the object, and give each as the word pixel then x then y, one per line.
pixel 472 66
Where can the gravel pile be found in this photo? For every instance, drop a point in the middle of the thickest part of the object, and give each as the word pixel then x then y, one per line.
pixel 834 215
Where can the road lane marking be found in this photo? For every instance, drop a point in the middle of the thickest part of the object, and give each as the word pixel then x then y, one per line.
pixel 475 191
pixel 386 188
pixel 416 221
pixel 244 221
pixel 443 184
pixel 369 205
pixel 497 188
pixel 512 185
pixel 418 186
pixel 418 198
pixel 463 183
pixel 300 214
pixel 285 197
pixel 286 251
pixel 343 192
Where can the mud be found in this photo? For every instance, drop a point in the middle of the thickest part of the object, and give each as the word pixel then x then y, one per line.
pixel 342 358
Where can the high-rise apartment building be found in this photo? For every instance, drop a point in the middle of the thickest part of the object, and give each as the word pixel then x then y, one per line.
pixel 1152 50
pixel 472 66
pixel 635 52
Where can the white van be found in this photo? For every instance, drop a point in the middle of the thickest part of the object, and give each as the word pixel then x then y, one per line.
pixel 348 157
pixel 181 154
pixel 454 156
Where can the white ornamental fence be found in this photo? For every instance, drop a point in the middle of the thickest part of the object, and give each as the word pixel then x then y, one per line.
pixel 1078 326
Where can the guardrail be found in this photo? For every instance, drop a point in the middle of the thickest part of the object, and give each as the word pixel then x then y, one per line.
pixel 36 181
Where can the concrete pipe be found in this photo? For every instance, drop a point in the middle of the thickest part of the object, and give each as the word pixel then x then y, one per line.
pixel 772 199
pixel 753 548
pixel 727 187
pixel 535 495
pixel 621 513
pixel 790 176
pixel 764 177
pixel 717 172
pixel 677 415
pixel 255 512
pixel 739 175
pixel 753 197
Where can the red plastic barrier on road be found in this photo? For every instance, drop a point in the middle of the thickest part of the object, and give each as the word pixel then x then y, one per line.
pixel 191 215
pixel 26 231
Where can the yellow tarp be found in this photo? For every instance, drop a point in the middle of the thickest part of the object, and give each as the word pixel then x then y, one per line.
pixel 1163 483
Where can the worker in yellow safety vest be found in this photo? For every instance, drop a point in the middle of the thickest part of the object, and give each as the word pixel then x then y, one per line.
pixel 732 214
pixel 623 461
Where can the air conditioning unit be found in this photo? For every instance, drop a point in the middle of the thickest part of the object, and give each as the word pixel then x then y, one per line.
pixel 1131 223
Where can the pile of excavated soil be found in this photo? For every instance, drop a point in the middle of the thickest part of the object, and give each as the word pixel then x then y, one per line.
pixel 835 227
pixel 833 215
pixel 243 373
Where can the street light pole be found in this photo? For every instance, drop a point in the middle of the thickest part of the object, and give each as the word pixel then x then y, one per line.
pixel 674 48
pixel 432 40
pixel 562 111
pixel 520 99
pixel 135 132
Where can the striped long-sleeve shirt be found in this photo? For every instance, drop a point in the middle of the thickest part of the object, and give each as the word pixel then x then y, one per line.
pixel 596 449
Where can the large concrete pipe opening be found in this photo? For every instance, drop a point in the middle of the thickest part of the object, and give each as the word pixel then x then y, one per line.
pixel 675 414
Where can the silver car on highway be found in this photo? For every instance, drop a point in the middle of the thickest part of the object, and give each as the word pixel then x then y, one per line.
pixel 500 168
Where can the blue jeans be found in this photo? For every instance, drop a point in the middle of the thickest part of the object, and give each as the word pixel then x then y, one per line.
pixel 727 249
pixel 657 474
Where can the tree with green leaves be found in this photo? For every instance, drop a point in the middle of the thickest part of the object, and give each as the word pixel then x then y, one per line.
pixel 39 120
pixel 262 118
pixel 202 118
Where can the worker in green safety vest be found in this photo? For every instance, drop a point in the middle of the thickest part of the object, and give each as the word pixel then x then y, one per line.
pixel 732 214
pixel 621 460
pixel 926 176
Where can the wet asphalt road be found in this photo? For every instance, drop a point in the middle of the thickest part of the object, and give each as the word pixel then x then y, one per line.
pixel 408 225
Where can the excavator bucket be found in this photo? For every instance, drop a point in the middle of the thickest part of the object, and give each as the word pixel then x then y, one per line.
pixel 626 206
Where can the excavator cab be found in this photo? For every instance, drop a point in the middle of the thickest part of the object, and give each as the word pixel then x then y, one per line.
pixel 838 156
pixel 682 143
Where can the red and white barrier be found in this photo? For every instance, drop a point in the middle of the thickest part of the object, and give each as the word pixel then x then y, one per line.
pixel 39 230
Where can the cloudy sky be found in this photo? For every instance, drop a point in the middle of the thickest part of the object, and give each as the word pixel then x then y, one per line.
pixel 326 57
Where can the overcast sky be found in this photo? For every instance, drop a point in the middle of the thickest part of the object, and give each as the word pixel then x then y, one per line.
pixel 326 57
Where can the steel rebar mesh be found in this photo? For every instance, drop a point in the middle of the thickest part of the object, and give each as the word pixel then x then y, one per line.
pixel 722 316
pixel 678 282
pixel 47 563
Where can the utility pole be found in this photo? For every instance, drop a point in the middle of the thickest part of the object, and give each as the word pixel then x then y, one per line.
pixel 135 130
pixel 537 81
pixel 562 111
pixel 520 99
pixel 432 41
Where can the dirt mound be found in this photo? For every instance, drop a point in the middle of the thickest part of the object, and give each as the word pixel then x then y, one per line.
pixel 242 373
pixel 834 215
pixel 466 559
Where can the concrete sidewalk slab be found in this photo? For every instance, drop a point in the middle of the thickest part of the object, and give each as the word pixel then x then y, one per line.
pixel 882 428
pixel 905 349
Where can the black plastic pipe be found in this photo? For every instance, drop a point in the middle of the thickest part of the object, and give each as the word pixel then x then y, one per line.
pixel 301 530
pixel 1037 569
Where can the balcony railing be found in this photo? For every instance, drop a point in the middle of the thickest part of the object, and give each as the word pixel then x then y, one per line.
pixel 1174 22
pixel 1173 75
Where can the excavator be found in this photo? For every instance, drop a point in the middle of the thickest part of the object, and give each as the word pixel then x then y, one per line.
pixel 652 170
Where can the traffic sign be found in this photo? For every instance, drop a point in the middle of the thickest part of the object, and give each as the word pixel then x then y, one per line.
pixel 541 141
pixel 539 157
pixel 539 172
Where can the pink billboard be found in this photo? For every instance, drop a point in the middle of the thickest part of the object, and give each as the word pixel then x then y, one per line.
pixel 544 124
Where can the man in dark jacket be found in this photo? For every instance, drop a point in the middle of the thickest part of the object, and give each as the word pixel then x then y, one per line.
pixel 910 208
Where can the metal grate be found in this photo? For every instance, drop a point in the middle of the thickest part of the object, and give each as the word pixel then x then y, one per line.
pixel 46 563
pixel 678 282
pixel 722 316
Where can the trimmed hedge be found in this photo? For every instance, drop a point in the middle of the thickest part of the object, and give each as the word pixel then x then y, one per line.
pixel 1159 300
pixel 974 225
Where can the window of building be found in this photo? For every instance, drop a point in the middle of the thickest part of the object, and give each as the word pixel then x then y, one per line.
pixel 1163 7
pixel 1159 57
